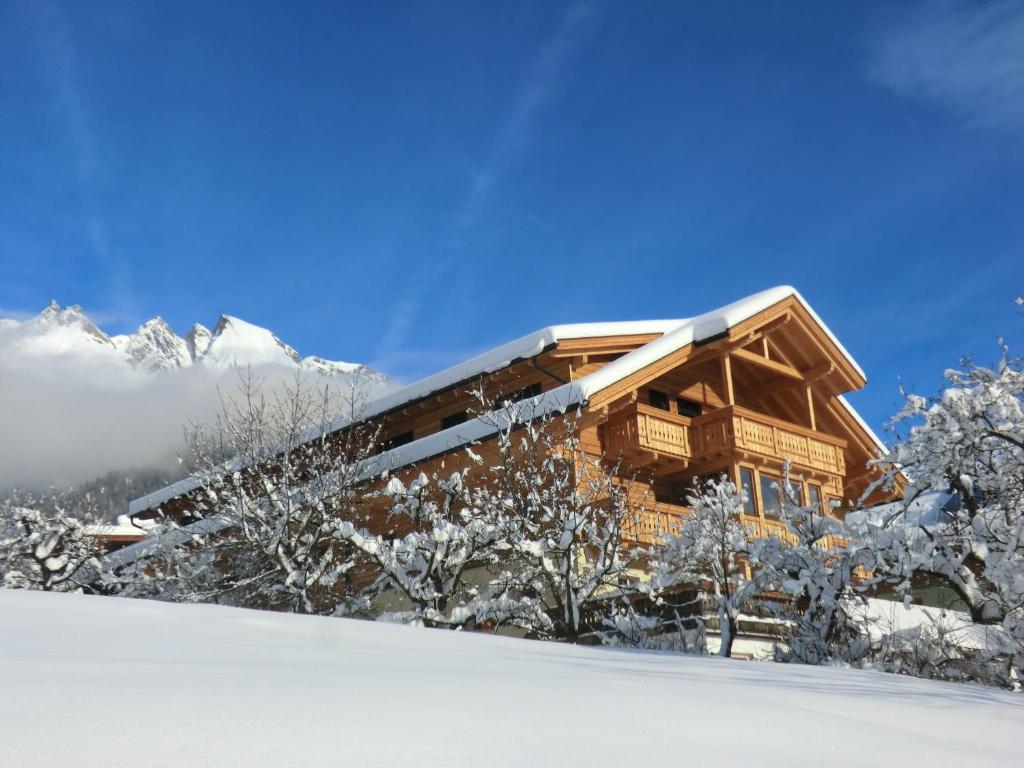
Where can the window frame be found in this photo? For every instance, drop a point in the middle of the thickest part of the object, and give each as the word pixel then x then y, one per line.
pixel 755 507
pixel 776 512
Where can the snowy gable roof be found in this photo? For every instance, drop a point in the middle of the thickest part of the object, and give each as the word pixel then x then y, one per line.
pixel 675 334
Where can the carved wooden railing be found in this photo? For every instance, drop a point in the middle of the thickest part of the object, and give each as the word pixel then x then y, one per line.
pixel 654 521
pixel 641 427
pixel 734 428
pixel 658 519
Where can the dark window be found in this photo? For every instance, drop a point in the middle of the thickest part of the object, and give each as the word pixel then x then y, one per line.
pixel 814 492
pixel 657 399
pixel 688 407
pixel 747 486
pixel 454 420
pixel 397 440
pixel 770 497
pixel 520 394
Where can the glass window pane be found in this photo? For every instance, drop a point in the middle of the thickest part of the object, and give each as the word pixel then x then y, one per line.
pixel 770 495
pixel 658 399
pixel 815 495
pixel 747 486
pixel 796 495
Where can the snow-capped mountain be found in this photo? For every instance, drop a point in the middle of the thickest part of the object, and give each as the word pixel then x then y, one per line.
pixel 155 347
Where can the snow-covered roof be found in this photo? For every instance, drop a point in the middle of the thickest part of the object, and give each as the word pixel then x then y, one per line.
pixel 675 335
pixel 883 618
pixel 163 541
pixel 926 508
pixel 123 526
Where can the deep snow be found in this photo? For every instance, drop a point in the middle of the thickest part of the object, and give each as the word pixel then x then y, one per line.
pixel 93 681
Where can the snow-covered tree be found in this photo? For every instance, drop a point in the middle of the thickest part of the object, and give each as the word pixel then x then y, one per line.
pixel 823 567
pixel 45 549
pixel 275 481
pixel 434 574
pixel 969 441
pixel 563 516
pixel 711 554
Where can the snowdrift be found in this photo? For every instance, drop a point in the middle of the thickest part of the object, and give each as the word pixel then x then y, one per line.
pixel 93 681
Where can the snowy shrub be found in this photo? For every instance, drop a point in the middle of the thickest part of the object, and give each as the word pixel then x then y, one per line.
pixel 424 577
pixel 710 553
pixel 262 531
pixel 969 442
pixel 562 516
pixel 47 550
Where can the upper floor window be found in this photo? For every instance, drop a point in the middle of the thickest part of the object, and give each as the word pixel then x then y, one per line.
pixel 397 440
pixel 814 496
pixel 747 486
pixel 657 399
pixel 771 497
pixel 795 494
pixel 514 397
pixel 688 407
pixel 454 420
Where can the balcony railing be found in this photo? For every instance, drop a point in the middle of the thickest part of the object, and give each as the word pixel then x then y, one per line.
pixel 737 429
pixel 654 521
pixel 658 519
pixel 643 428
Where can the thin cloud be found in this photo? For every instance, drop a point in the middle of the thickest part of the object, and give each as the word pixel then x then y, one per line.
pixel 965 57
pixel 542 76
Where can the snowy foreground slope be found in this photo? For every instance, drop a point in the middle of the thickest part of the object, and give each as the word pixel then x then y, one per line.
pixel 93 681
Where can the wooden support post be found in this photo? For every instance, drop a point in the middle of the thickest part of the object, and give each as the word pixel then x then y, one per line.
pixel 810 407
pixel 727 380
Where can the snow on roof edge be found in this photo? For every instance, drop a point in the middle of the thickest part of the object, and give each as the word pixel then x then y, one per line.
pixel 864 425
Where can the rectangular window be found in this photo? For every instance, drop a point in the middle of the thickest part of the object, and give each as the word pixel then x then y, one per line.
pixel 514 397
pixel 747 486
pixel 657 399
pixel 814 493
pixel 770 497
pixel 454 420
pixel 796 495
pixel 688 408
pixel 397 440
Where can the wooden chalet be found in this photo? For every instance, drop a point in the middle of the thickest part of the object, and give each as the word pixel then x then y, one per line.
pixel 740 390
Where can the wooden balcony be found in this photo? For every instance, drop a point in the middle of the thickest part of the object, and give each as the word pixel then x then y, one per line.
pixel 647 436
pixel 736 429
pixel 647 433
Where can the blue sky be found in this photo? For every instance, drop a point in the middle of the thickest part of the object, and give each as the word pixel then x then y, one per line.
pixel 407 185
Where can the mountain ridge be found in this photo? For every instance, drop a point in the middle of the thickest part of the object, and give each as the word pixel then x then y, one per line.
pixel 155 347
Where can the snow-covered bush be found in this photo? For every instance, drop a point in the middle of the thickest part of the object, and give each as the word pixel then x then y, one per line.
pixel 44 549
pixel 275 482
pixel 424 576
pixel 823 567
pixel 969 441
pixel 711 553
pixel 562 516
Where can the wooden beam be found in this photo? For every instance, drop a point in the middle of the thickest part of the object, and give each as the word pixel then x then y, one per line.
pixel 671 468
pixel 771 365
pixel 727 380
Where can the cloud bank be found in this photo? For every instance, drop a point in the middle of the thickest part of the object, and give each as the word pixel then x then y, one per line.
pixel 965 57
pixel 65 420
